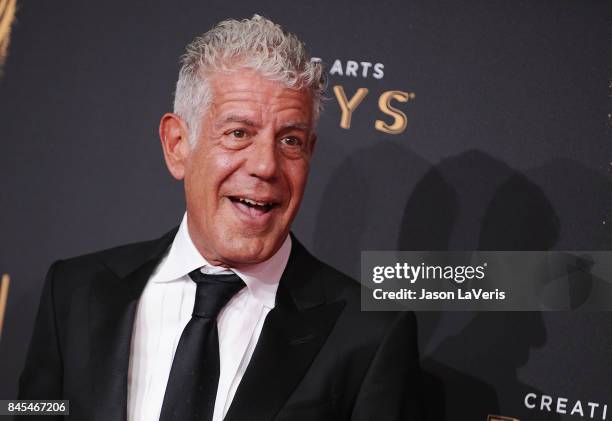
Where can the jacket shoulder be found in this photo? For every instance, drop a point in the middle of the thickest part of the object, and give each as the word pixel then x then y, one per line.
pixel 120 259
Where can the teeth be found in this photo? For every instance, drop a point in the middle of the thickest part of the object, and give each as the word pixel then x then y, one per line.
pixel 252 202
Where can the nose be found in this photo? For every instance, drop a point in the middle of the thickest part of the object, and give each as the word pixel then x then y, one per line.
pixel 262 159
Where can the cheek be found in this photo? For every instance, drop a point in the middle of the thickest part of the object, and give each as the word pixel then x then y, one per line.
pixel 225 164
pixel 208 171
pixel 297 176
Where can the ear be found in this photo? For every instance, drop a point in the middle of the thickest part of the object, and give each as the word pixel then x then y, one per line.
pixel 174 136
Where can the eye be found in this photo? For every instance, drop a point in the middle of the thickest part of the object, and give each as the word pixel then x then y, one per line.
pixel 238 134
pixel 292 141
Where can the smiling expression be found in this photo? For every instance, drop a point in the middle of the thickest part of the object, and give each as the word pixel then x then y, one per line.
pixel 246 174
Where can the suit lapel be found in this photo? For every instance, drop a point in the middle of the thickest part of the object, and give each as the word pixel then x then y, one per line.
pixel 292 335
pixel 113 300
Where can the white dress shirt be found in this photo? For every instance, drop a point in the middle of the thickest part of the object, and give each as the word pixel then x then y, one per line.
pixel 164 309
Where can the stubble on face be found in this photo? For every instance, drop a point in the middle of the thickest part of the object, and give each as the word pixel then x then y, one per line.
pixel 246 175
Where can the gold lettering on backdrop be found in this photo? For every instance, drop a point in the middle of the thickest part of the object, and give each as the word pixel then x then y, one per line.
pixel 348 106
pixel 400 121
pixel 4 286
pixel 7 14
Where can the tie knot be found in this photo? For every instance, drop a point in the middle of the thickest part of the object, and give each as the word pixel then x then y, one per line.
pixel 213 292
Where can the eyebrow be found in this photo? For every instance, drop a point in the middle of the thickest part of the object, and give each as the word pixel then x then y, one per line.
pixel 236 119
pixel 291 125
pixel 295 125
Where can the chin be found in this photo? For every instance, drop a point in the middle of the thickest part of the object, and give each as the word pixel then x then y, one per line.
pixel 245 251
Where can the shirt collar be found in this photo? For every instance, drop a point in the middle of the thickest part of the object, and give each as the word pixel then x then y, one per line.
pixel 260 278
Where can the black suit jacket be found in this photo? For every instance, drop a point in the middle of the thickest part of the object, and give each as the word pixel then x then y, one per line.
pixel 318 357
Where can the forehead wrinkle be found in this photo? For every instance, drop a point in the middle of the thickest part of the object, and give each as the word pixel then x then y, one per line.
pixel 255 115
pixel 248 104
pixel 250 93
pixel 259 100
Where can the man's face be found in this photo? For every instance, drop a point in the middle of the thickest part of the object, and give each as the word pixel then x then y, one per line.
pixel 245 176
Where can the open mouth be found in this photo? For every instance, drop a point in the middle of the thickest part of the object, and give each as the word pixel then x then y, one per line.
pixel 255 206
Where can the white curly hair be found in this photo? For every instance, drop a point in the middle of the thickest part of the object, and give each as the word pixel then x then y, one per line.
pixel 256 43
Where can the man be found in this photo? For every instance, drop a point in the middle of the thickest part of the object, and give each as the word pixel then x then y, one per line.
pixel 228 317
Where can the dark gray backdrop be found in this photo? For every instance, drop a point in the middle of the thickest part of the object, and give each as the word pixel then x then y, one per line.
pixel 507 147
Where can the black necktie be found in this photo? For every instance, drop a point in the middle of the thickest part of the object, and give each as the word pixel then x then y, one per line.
pixel 194 377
